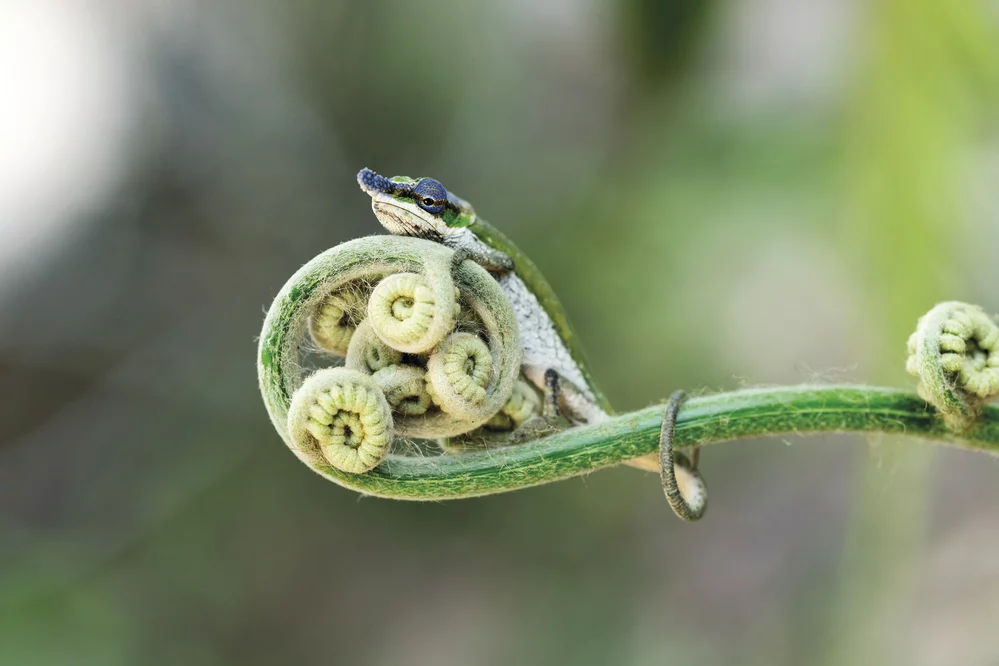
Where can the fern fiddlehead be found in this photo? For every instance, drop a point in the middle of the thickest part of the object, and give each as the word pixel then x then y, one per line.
pixel 456 371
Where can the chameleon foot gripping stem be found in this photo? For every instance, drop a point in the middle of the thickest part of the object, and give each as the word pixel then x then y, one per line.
pixel 683 486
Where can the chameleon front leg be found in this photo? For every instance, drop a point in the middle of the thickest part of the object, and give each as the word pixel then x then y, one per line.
pixel 492 260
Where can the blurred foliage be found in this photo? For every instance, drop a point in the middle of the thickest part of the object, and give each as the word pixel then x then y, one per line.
pixel 659 36
pixel 906 139
pixel 722 193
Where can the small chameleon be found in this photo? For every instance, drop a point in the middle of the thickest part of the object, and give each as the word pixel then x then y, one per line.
pixel 552 357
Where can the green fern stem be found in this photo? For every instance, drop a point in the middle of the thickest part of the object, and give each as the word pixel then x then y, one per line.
pixel 721 417
pixel 955 353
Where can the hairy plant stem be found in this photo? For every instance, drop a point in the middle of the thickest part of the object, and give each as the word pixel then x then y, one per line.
pixel 343 416
pixel 704 420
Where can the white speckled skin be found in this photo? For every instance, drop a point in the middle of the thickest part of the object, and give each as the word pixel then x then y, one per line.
pixel 543 347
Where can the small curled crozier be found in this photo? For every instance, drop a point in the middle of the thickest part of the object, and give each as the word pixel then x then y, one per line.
pixel 405 388
pixel 367 353
pixel 333 324
pixel 407 314
pixel 955 354
pixel 343 415
pixel 458 372
pixel 524 404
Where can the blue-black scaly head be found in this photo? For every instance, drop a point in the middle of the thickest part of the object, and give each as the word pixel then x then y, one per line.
pixel 419 207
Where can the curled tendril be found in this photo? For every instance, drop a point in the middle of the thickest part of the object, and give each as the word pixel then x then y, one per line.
pixel 333 324
pixel 405 388
pixel 344 415
pixel 955 354
pixel 407 314
pixel 458 372
pixel 422 291
pixel 524 404
pixel 685 490
pixel 367 353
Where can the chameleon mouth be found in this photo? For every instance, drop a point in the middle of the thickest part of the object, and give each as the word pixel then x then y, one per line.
pixel 402 222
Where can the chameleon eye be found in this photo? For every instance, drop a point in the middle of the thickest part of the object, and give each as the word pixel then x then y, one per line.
pixel 430 195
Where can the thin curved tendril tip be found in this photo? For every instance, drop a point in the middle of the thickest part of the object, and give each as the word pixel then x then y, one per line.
pixel 685 490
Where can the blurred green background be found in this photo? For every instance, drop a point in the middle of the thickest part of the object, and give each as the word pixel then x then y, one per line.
pixel 724 194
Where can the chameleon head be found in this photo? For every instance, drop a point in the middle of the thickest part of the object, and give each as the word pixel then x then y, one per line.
pixel 418 207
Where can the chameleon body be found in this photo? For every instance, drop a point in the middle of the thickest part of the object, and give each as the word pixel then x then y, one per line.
pixel 552 357
pixel 422 207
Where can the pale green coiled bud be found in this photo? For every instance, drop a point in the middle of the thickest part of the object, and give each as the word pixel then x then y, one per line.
pixel 367 353
pixel 524 404
pixel 345 415
pixel 458 372
pixel 405 388
pixel 409 315
pixel 955 354
pixel 333 323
